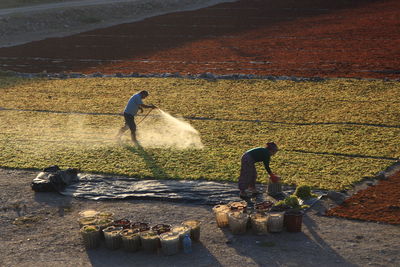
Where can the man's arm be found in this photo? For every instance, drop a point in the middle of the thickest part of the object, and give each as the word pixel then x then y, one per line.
pixel 266 165
pixel 273 177
pixel 146 106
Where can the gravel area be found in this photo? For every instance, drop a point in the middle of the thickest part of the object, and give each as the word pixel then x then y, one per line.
pixel 51 236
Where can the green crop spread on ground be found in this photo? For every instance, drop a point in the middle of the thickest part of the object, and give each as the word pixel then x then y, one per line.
pixel 331 133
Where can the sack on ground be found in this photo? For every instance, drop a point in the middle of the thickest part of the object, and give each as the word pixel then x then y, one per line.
pixel 53 179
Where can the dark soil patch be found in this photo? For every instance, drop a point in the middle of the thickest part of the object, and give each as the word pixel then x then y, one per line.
pixel 306 38
pixel 379 203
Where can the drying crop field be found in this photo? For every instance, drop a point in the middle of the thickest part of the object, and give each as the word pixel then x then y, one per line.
pixel 331 133
pixel 305 38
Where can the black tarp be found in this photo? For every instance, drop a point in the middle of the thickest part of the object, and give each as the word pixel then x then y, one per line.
pixel 99 187
pixel 102 187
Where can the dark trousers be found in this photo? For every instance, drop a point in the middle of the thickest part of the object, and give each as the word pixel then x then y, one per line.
pixel 129 124
pixel 248 173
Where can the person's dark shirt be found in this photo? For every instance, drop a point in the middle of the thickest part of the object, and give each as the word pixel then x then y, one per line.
pixel 259 154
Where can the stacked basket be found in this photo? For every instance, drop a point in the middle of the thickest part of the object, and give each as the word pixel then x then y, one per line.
pixel 239 218
pixel 134 236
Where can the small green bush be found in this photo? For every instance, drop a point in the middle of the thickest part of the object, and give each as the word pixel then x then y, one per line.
pixel 304 192
pixel 292 201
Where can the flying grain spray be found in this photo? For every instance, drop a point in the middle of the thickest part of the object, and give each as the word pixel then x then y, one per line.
pixel 158 130
pixel 163 130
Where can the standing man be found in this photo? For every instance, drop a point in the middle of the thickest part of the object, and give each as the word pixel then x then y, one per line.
pixel 248 172
pixel 135 104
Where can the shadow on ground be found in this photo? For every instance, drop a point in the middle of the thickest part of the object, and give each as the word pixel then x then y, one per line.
pixel 105 257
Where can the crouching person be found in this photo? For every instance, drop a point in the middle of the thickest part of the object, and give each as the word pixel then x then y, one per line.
pixel 248 172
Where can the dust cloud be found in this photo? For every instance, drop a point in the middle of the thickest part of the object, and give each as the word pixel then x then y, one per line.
pixel 157 130
pixel 162 130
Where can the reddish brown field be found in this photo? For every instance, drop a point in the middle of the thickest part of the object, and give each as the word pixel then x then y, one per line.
pixel 304 38
pixel 379 203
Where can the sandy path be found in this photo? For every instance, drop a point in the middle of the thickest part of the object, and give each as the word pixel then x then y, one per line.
pixel 43 7
pixel 37 22
pixel 82 3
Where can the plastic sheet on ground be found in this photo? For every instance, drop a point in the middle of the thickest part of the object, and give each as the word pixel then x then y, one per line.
pixel 98 187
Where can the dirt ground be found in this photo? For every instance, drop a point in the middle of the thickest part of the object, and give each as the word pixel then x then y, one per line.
pixel 52 237
pixel 64 18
